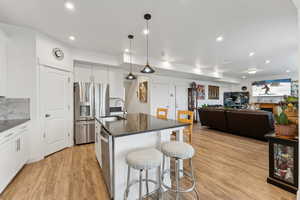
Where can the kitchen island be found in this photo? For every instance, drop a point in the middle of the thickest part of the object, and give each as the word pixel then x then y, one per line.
pixel 117 136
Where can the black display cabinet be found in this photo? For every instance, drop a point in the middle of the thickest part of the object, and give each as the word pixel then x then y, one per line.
pixel 192 102
pixel 283 162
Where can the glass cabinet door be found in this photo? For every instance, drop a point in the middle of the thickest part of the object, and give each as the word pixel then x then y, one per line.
pixel 284 162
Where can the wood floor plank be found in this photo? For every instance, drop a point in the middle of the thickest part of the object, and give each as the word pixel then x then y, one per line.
pixel 227 167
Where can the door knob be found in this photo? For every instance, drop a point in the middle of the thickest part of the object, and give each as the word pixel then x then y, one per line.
pixel 47 115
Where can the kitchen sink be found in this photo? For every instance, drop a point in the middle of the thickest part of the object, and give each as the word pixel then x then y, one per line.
pixel 112 118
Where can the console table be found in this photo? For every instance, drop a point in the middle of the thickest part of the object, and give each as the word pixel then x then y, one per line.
pixel 283 162
pixel 273 107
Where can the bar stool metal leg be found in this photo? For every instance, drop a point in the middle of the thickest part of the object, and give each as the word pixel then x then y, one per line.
pixel 140 185
pixel 147 183
pixel 159 188
pixel 128 183
pixel 177 178
pixel 163 163
pixel 193 177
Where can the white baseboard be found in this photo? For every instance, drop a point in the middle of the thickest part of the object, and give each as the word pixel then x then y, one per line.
pixel 32 160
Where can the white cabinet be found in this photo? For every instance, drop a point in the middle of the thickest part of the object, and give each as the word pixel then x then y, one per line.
pixel 3 63
pixel 13 154
pixel 102 74
pixel 116 84
pixel 98 142
pixel 7 164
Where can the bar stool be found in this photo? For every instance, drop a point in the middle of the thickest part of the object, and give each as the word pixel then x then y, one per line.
pixel 162 113
pixel 144 160
pixel 178 151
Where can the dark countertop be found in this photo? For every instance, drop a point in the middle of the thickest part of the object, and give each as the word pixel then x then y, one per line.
pixel 8 124
pixel 138 123
pixel 273 135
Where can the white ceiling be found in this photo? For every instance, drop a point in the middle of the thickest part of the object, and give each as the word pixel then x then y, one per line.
pixel 185 30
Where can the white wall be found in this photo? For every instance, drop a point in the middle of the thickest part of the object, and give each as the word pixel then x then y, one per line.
pixel 96 57
pixel 133 103
pixel 3 62
pixel 44 47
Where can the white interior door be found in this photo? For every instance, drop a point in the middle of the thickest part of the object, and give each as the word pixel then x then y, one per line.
pixel 54 108
pixel 181 98
pixel 160 97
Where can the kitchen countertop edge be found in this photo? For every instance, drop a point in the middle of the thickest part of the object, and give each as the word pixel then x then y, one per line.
pixel 139 132
pixel 13 124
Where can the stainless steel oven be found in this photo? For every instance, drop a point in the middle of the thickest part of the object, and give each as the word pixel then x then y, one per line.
pixel 107 160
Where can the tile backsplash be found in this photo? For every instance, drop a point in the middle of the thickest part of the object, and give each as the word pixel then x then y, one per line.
pixel 14 108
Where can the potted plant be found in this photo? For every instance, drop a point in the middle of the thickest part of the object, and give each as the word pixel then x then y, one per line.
pixel 284 126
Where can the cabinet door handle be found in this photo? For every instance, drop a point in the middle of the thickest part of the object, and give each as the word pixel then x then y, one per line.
pixel 47 115
pixel 17 145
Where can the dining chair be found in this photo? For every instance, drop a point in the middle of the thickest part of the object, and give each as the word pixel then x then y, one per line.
pixel 186 116
pixel 162 113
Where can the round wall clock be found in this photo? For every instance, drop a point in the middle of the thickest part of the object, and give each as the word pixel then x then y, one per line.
pixel 244 88
pixel 58 53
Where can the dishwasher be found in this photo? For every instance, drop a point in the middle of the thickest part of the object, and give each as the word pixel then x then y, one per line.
pixel 107 160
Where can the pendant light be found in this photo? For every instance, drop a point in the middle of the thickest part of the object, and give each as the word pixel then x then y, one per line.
pixel 130 76
pixel 147 69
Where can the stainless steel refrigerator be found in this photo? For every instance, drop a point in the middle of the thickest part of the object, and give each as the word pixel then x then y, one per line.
pixel 90 100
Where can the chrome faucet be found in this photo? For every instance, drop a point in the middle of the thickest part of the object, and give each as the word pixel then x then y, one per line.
pixel 117 100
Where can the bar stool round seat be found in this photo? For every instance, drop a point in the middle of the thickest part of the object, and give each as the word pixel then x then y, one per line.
pixel 178 150
pixel 144 159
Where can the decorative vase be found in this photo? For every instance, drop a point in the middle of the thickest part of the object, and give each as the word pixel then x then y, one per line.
pixel 286 130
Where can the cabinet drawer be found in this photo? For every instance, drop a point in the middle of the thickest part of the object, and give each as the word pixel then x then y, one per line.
pixel 12 133
pixel 13 156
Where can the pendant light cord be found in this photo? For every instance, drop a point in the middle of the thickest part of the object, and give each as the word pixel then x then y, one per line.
pixel 130 54
pixel 147 42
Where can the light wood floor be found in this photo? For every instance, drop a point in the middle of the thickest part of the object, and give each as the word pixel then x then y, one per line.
pixel 228 167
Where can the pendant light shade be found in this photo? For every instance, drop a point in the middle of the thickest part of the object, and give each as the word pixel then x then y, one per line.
pixel 147 69
pixel 130 76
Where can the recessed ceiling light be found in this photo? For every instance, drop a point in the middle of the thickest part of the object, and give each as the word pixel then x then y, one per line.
pixel 288 71
pixel 251 54
pixel 252 71
pixel 268 61
pixel 220 38
pixel 146 31
pixel 126 50
pixel 197 70
pixel 72 38
pixel 69 5
pixel 243 77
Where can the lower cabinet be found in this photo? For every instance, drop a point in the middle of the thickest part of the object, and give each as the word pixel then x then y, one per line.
pixel 13 155
pixel 98 142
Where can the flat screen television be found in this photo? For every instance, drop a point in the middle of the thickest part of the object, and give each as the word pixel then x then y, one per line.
pixel 279 87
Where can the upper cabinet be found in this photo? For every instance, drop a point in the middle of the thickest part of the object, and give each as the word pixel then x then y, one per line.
pixel 101 74
pixel 3 63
